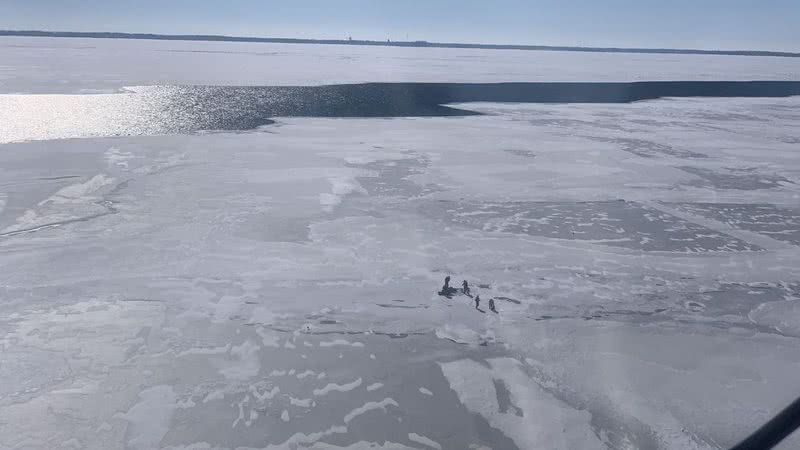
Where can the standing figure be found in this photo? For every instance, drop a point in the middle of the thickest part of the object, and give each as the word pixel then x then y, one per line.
pixel 491 306
pixel 477 301
pixel 447 290
pixel 465 287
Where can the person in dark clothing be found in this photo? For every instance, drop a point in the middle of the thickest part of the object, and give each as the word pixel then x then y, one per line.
pixel 491 306
pixel 447 290
pixel 477 302
pixel 465 287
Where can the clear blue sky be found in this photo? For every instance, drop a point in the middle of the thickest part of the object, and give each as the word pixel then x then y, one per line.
pixel 708 24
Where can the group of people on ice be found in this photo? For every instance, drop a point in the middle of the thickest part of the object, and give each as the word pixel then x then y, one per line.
pixel 449 291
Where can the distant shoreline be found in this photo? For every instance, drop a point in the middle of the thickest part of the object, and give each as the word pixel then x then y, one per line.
pixel 221 38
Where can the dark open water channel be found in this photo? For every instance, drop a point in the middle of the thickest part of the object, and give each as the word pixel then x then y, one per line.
pixel 181 109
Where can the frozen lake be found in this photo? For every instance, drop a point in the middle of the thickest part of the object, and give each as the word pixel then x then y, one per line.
pixel 53 65
pixel 274 285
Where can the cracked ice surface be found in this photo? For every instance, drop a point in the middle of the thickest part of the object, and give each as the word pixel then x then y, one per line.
pixel 277 288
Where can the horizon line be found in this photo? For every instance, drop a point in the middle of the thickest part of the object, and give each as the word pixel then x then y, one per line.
pixel 386 43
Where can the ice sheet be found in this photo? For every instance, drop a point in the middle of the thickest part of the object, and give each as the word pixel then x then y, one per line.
pixel 216 290
pixel 93 66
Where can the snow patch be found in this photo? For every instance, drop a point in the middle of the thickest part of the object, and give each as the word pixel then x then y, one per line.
pixel 424 441
pixel 300 440
pixel 268 337
pixel 343 342
pixel 246 365
pixel 149 419
pixel 783 316
pixel 463 334
pixel 341 187
pixel 361 445
pixel 338 387
pixel 79 192
pixel 117 157
pixel 369 406
pixel 545 422
pixel 205 351
pixel 302 402
pixel 214 395
pixel 71 203
pixel 264 316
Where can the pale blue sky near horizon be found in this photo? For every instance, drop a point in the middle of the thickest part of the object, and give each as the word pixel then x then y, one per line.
pixel 704 24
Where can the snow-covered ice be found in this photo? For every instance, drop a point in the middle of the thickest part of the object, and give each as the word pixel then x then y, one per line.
pixel 150 417
pixel 100 66
pixel 276 288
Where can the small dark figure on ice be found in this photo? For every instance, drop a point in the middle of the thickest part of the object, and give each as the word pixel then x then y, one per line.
pixel 447 290
pixel 491 306
pixel 477 302
pixel 465 287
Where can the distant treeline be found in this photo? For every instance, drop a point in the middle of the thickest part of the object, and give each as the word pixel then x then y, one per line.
pixel 388 43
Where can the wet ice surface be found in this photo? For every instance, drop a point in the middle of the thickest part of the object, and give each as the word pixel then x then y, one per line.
pixel 779 223
pixel 649 149
pixel 616 223
pixel 335 401
pixel 747 178
pixel 277 288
